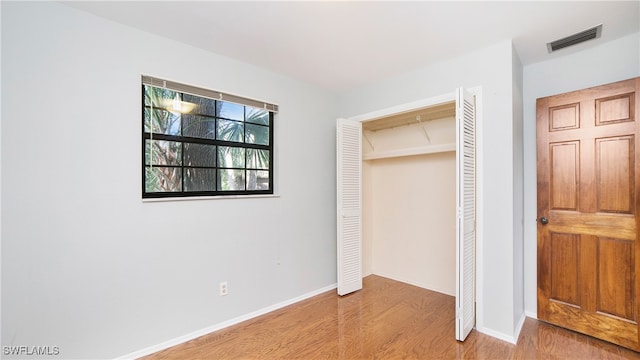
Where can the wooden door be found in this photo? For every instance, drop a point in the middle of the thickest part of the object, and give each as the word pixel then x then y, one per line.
pixel 588 181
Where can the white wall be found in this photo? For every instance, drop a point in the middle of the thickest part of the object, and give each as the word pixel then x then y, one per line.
pixel 490 68
pixel 414 228
pixel 86 265
pixel 613 61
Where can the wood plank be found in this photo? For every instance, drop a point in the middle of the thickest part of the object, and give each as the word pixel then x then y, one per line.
pixel 603 326
pixel 592 132
pixel 385 320
pixel 618 226
pixel 440 111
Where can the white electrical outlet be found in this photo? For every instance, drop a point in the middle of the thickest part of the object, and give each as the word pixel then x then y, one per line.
pixel 224 290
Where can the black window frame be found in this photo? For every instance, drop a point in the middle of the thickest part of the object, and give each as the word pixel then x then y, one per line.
pixel 184 140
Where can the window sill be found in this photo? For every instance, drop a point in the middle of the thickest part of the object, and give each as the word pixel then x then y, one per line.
pixel 223 197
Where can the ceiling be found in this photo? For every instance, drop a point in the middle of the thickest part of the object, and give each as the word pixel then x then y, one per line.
pixel 342 45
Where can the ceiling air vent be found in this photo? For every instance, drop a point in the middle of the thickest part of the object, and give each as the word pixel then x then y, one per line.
pixel 574 39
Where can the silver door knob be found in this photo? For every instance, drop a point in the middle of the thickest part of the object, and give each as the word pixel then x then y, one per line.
pixel 544 221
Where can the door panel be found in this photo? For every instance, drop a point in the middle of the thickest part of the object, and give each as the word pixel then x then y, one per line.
pixel 588 176
pixel 618 108
pixel 565 166
pixel 564 117
pixel 466 207
pixel 349 205
pixel 564 268
pixel 615 269
pixel 615 162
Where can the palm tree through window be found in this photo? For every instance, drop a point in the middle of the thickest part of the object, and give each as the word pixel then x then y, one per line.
pixel 194 145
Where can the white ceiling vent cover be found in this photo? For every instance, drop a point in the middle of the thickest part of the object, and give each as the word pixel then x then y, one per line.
pixel 574 39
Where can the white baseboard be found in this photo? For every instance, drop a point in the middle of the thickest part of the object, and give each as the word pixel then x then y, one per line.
pixel 531 314
pixel 496 334
pixel 513 339
pixel 519 326
pixel 184 338
pixel 411 282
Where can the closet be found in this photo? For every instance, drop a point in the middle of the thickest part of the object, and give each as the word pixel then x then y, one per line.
pixel 406 199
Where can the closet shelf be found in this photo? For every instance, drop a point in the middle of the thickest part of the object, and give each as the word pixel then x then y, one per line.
pixel 421 150
pixel 426 114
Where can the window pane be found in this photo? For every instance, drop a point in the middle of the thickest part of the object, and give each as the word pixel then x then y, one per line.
pixel 257 116
pixel 230 130
pixel 257 159
pixel 195 145
pixel 257 134
pixel 198 126
pixel 199 155
pixel 161 122
pixel 230 157
pixel 257 180
pixel 160 152
pixel 163 179
pixel 203 106
pixel 158 97
pixel 199 179
pixel 230 111
pixel 230 179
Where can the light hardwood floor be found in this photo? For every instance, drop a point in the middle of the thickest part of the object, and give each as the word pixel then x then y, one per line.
pixel 385 320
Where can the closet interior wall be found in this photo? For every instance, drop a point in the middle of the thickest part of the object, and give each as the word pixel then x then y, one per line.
pixel 409 198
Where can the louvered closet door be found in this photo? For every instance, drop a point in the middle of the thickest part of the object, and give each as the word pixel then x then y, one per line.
pixel 349 184
pixel 466 207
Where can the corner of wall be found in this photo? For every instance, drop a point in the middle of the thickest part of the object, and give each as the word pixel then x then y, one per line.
pixel 518 191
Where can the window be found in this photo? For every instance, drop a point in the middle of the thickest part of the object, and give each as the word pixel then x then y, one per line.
pixel 198 142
